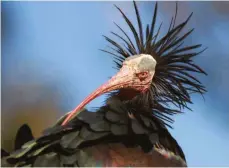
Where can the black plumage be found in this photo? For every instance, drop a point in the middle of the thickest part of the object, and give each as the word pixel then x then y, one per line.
pixel 91 129
pixel 135 127
pixel 174 78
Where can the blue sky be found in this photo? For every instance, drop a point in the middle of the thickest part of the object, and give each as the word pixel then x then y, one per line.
pixel 58 42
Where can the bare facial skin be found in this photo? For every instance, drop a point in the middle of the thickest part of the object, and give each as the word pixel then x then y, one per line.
pixel 137 73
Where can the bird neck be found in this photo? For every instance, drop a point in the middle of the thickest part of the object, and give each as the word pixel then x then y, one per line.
pixel 127 94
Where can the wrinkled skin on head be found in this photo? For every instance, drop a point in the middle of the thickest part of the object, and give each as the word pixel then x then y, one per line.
pixel 136 73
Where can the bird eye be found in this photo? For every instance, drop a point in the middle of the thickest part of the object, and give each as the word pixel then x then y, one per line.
pixel 142 75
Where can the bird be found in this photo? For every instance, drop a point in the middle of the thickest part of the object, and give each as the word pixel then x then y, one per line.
pixel 154 82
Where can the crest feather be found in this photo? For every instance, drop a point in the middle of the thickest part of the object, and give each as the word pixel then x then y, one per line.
pixel 174 78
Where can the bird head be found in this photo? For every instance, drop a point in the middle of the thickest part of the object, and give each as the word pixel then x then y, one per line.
pixel 136 73
pixel 159 72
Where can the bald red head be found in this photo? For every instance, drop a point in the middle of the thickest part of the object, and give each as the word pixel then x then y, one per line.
pixel 136 73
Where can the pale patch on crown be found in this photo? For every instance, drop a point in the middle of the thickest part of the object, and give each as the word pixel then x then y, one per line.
pixel 142 62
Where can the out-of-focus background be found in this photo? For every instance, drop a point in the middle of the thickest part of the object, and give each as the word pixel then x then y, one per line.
pixel 51 61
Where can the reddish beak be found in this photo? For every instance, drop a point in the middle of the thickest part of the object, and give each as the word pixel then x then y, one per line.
pixel 122 79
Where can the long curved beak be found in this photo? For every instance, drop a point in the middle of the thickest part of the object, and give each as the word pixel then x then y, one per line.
pixel 122 79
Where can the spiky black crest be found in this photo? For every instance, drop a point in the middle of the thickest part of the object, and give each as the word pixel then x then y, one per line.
pixel 173 81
